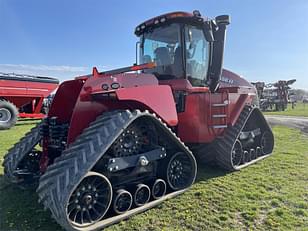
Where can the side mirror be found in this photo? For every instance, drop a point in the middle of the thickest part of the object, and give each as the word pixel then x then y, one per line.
pixel 223 20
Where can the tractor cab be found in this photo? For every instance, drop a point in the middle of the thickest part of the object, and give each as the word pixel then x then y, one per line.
pixel 184 46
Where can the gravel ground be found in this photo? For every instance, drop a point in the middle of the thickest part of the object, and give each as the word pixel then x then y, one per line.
pixel 289 121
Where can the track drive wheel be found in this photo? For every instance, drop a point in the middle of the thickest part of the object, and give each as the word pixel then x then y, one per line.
pixel 8 114
pixel 181 171
pixel 90 200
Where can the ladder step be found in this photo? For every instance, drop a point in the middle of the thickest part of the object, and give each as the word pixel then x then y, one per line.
pixel 219 126
pixel 219 116
pixel 219 104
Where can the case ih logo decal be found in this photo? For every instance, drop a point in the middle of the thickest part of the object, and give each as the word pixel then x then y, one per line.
pixel 226 80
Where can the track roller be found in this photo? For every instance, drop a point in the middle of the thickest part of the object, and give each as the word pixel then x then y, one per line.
pixel 252 154
pixel 90 200
pixel 122 201
pixel 246 157
pixel 159 188
pixel 258 151
pixel 142 195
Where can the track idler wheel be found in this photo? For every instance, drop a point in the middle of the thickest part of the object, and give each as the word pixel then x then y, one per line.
pixel 123 201
pixel 142 195
pixel 237 153
pixel 267 143
pixel 181 171
pixel 159 189
pixel 90 200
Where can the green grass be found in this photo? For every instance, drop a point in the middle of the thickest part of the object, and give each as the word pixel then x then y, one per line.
pixel 270 195
pixel 300 109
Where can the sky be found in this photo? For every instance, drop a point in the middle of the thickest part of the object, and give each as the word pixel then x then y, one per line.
pixel 267 40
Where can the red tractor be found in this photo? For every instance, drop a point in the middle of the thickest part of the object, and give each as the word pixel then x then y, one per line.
pixel 23 96
pixel 119 142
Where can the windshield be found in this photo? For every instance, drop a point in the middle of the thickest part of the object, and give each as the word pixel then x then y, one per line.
pixel 162 46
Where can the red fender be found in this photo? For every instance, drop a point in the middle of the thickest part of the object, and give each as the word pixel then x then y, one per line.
pixel 155 98
pixel 158 99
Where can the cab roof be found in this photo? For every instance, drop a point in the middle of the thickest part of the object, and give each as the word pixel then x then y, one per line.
pixel 177 16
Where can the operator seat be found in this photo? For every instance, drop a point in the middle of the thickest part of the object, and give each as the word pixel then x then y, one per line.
pixel 162 56
pixel 146 59
pixel 177 68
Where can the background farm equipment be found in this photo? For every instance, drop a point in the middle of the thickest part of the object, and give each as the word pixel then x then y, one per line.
pixel 23 96
pixel 274 96
pixel 119 142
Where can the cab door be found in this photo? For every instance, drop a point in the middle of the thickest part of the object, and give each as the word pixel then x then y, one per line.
pixel 193 124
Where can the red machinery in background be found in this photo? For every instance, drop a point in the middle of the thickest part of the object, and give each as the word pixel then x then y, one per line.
pixel 23 96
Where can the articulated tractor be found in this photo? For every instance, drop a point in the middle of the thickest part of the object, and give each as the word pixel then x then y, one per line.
pixel 119 142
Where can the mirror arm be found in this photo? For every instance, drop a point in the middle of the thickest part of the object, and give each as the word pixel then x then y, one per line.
pixel 208 31
pixel 137 45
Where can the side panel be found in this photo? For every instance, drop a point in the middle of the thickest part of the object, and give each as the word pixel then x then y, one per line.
pixel 196 123
pixel 192 127
pixel 157 99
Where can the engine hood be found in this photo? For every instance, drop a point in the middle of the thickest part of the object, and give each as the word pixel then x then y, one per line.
pixel 230 79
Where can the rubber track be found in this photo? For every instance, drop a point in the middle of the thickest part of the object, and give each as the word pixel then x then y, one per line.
pixel 62 177
pixel 224 145
pixel 19 150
